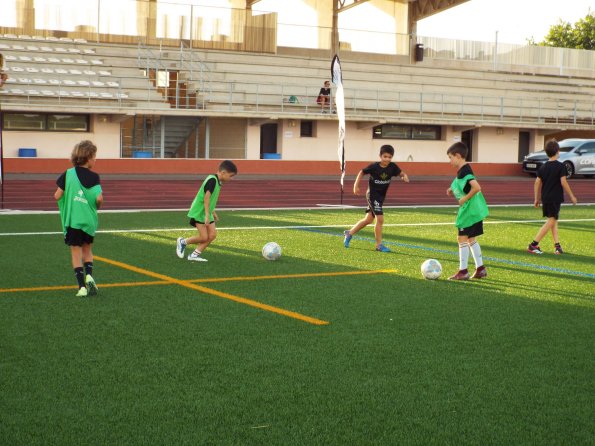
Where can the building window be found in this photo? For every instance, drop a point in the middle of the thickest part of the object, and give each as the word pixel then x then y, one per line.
pixel 407 131
pixel 306 129
pixel 52 122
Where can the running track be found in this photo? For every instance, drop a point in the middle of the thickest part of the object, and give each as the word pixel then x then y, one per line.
pixel 268 192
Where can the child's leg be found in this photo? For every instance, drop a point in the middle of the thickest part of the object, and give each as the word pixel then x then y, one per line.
pixel 378 229
pixel 554 228
pixel 211 235
pixel 369 218
pixel 475 252
pixel 88 258
pixel 549 223
pixel 206 234
pixel 76 255
pixel 464 251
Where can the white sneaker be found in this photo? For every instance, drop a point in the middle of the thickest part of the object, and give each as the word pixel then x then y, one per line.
pixel 196 257
pixel 82 292
pixel 91 285
pixel 180 247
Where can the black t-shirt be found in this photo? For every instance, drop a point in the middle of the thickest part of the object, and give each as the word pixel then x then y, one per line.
pixel 87 177
pixel 551 187
pixel 462 173
pixel 380 177
pixel 324 92
pixel 210 185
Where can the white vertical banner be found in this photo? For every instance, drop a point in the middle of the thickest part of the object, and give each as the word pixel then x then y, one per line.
pixel 337 79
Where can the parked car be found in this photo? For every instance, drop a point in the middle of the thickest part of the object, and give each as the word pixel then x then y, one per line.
pixel 578 155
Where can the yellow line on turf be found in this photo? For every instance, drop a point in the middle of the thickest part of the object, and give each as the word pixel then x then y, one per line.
pixel 206 290
pixel 210 280
pixel 293 276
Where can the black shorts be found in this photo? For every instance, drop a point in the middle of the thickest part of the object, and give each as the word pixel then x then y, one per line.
pixel 472 231
pixel 193 222
pixel 551 210
pixel 77 237
pixel 375 203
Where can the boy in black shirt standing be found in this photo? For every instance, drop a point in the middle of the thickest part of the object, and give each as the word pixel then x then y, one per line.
pixel 378 183
pixel 550 184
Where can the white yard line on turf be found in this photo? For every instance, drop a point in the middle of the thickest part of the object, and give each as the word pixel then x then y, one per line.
pixel 258 228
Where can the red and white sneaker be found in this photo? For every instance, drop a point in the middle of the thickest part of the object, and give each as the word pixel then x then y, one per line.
pixel 558 250
pixel 480 273
pixel 461 275
pixel 534 249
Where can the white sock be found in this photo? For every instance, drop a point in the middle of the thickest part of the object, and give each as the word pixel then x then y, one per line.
pixel 476 253
pixel 463 255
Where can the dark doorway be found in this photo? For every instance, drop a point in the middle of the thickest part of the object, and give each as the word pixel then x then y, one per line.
pixel 467 139
pixel 524 138
pixel 268 139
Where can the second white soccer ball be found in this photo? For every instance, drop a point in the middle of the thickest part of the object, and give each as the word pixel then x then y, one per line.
pixel 271 251
pixel 431 269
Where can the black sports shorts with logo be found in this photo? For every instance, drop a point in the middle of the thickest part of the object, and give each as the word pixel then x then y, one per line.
pixel 375 202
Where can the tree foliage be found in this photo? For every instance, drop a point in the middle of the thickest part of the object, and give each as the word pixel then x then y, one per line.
pixel 565 35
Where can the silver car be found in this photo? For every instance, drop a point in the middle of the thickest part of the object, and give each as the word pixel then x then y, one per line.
pixel 578 155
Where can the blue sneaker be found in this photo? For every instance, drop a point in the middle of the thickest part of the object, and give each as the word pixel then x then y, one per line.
pixel 348 238
pixel 382 248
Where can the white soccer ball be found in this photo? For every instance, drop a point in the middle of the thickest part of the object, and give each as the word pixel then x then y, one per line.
pixel 271 251
pixel 431 269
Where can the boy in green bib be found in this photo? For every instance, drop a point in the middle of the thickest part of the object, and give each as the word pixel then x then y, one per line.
pixel 472 210
pixel 79 196
pixel 202 212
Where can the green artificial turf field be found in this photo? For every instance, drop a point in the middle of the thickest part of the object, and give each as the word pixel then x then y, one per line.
pixel 326 346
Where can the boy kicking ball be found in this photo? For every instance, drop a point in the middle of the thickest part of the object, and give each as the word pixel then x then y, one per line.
pixel 202 212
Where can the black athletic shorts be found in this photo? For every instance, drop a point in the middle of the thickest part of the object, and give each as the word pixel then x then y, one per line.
pixel 472 231
pixel 551 210
pixel 77 237
pixel 193 222
pixel 375 203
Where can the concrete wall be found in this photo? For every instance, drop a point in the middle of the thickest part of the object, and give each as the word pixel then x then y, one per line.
pixel 105 135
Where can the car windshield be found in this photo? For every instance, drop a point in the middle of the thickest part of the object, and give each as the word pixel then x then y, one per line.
pixel 567 147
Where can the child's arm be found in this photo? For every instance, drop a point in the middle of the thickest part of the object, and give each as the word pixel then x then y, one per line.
pixel 99 201
pixel 215 216
pixel 356 184
pixel 567 189
pixel 537 192
pixel 207 203
pixel 475 187
pixel 404 177
pixel 58 194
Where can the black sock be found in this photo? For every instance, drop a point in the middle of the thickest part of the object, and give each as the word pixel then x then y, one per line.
pixel 534 243
pixel 88 268
pixel 557 245
pixel 80 276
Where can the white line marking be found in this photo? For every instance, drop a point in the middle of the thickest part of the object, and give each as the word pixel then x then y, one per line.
pixel 258 228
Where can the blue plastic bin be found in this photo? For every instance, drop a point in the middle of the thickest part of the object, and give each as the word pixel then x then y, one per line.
pixel 271 156
pixel 27 152
pixel 142 154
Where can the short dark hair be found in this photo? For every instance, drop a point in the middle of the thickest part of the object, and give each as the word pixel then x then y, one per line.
pixel 83 152
pixel 228 166
pixel 387 149
pixel 458 147
pixel 551 147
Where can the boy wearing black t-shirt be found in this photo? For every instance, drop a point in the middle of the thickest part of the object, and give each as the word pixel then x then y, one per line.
pixel 378 183
pixel 550 184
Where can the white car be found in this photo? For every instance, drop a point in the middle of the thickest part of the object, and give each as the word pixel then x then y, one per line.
pixel 578 155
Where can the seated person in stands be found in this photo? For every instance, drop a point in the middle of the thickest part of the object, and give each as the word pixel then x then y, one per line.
pixel 3 75
pixel 324 97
